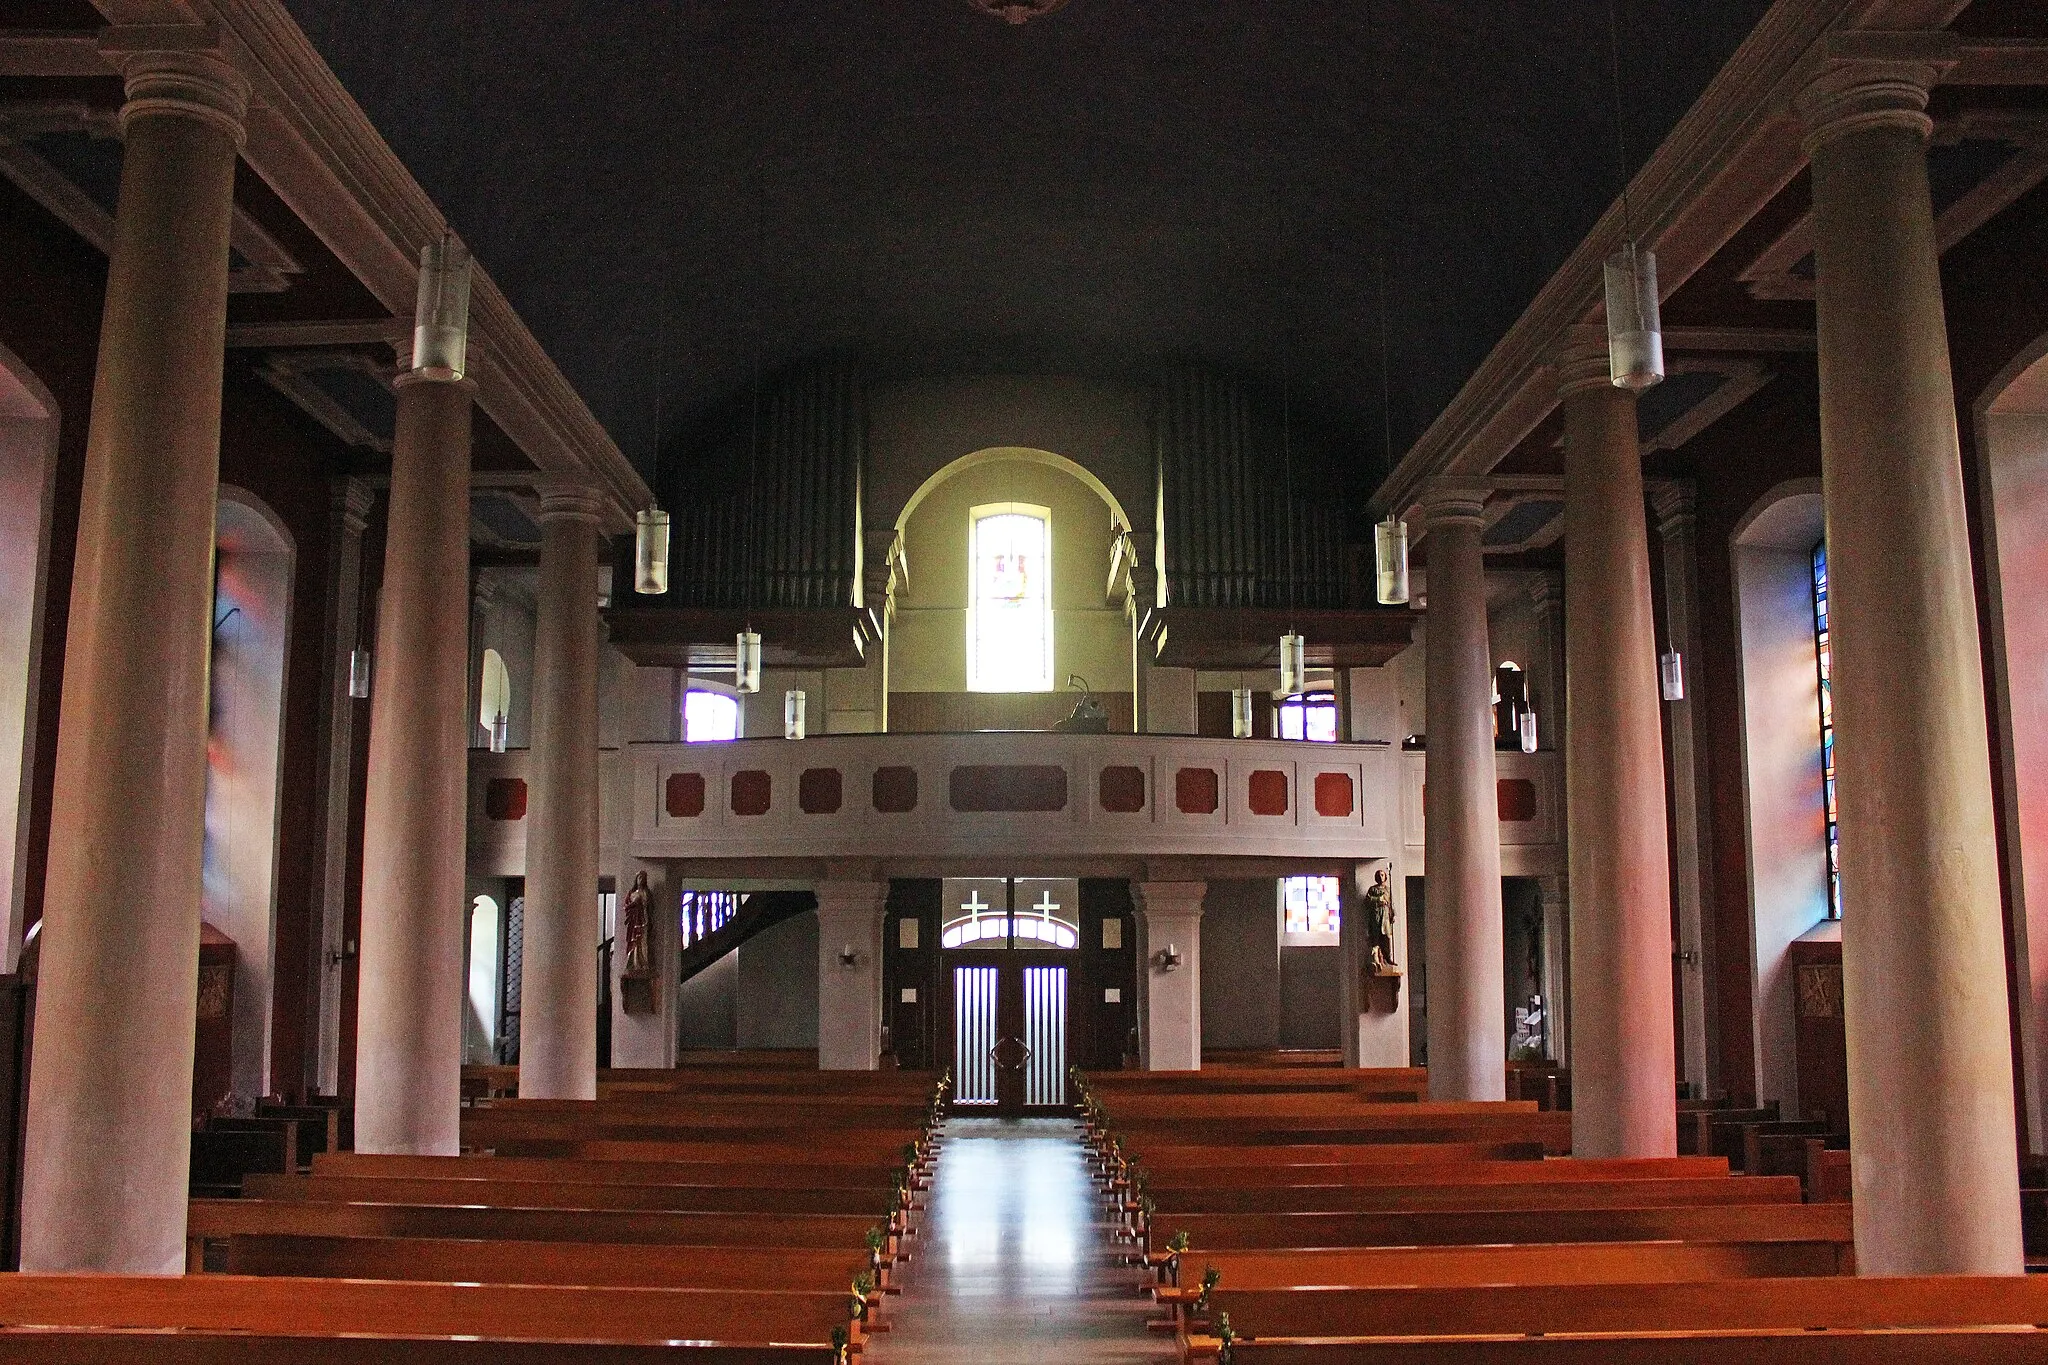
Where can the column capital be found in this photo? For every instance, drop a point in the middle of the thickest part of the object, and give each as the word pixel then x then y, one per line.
pixel 1447 501
pixel 1675 503
pixel 1162 900
pixel 569 500
pixel 1580 361
pixel 353 500
pixel 1874 80
pixel 178 70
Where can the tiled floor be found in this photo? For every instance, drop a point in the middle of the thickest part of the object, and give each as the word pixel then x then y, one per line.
pixel 1013 1260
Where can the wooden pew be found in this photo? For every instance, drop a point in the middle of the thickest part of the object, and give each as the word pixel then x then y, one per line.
pixel 766 1174
pixel 1529 1263
pixel 214 1219
pixel 536 1194
pixel 1425 1172
pixel 1195 1158
pixel 1564 1194
pixel 223 1161
pixel 1696 1224
pixel 300 1309
pixel 1346 1319
pixel 498 1261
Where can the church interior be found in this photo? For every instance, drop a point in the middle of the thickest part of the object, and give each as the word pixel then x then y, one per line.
pixel 1019 680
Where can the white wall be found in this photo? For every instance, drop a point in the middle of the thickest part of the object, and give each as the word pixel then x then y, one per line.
pixel 28 442
pixel 1785 811
pixel 254 583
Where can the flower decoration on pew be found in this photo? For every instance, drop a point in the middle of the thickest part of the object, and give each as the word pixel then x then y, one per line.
pixel 841 1346
pixel 1228 1338
pixel 1211 1277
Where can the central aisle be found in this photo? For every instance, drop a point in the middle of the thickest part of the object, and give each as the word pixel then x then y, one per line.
pixel 1013 1260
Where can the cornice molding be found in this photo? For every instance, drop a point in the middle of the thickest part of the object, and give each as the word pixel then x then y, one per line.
pixel 1729 155
pixel 314 145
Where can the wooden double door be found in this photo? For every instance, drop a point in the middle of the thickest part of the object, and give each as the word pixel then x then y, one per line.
pixel 1010 1012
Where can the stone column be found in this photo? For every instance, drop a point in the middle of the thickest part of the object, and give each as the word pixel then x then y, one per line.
pixel 1692 878
pixel 1624 1079
pixel 1930 1053
pixel 1461 809
pixel 409 1003
pixel 850 992
pixel 352 503
pixel 1546 671
pixel 1169 998
pixel 558 991
pixel 110 1100
pixel 1557 961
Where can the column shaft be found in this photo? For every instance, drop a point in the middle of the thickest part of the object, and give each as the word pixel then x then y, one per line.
pixel 1170 997
pixel 352 503
pixel 1624 1078
pixel 110 1097
pixel 850 993
pixel 409 1010
pixel 1934 1150
pixel 1461 812
pixel 558 993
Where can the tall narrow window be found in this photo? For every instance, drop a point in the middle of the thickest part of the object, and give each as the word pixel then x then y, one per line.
pixel 1009 611
pixel 1823 654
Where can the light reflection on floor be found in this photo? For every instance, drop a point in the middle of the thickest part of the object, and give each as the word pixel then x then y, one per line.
pixel 1013 1260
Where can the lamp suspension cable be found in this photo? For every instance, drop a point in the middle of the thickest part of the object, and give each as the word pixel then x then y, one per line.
pixel 1635 336
pixel 747 647
pixel 1390 535
pixel 1293 649
pixel 651 523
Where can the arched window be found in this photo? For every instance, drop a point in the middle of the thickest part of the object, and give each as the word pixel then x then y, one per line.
pixel 709 716
pixel 1310 716
pixel 1009 598
pixel 1823 655
pixel 494 693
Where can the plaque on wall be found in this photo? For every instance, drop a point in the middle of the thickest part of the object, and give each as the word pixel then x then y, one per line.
pixel 1820 990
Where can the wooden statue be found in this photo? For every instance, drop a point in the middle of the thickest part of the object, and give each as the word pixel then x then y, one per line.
pixel 635 927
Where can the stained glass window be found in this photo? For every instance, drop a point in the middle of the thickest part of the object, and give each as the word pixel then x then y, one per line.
pixel 1309 911
pixel 1005 912
pixel 1824 658
pixel 1009 615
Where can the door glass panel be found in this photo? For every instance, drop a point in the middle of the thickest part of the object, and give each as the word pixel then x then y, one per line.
pixel 1045 1033
pixel 974 1034
pixel 1048 912
pixel 977 913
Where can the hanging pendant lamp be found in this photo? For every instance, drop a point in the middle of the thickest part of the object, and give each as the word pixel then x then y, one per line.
pixel 499 731
pixel 793 714
pixel 359 673
pixel 1293 664
pixel 1671 675
pixel 440 329
pixel 650 551
pixel 1526 726
pixel 1635 334
pixel 746 670
pixel 1390 560
pixel 1240 713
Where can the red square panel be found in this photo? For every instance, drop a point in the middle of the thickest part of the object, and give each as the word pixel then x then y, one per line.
pixel 895 790
pixel 1196 791
pixel 684 796
pixel 1268 794
pixel 1334 795
pixel 818 791
pixel 1121 789
pixel 505 798
pixel 1516 799
pixel 750 792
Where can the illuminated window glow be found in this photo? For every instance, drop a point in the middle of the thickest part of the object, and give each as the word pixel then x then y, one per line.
pixel 1020 912
pixel 709 716
pixel 1311 716
pixel 1009 612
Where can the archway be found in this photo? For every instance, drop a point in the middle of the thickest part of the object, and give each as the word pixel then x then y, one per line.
pixel 940 676
pixel 1785 798
pixel 2012 451
pixel 253 562
pixel 28 446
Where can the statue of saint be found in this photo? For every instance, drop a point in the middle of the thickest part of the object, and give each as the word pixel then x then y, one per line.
pixel 635 927
pixel 1379 904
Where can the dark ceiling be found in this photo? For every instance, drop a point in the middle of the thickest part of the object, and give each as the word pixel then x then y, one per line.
pixel 673 189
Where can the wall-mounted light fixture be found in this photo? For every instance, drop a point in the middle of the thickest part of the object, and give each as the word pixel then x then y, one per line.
pixel 1168 958
pixel 848 957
